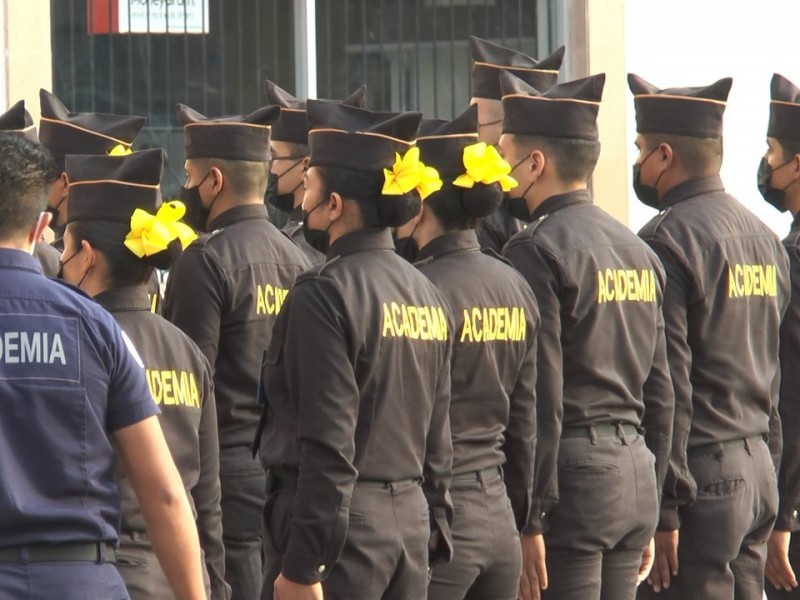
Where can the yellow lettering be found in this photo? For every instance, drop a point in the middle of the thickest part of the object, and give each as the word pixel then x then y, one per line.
pixel 166 381
pixel 388 325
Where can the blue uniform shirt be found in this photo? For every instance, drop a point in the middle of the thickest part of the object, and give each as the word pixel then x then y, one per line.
pixel 68 379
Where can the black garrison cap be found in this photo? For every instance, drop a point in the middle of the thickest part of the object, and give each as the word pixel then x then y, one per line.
pixel 18 120
pixel 292 125
pixel 355 138
pixel 441 143
pixel 691 111
pixel 241 137
pixel 490 59
pixel 784 109
pixel 566 110
pixel 63 132
pixel 110 188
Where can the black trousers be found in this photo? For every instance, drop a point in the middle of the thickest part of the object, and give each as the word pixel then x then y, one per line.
pixel 722 541
pixel 487 560
pixel 242 485
pixel 794 560
pixel 606 515
pixel 385 554
pixel 141 571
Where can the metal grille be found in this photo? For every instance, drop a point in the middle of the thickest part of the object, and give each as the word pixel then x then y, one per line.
pixel 220 73
pixel 414 54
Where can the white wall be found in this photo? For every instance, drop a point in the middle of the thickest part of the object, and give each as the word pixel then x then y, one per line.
pixel 695 42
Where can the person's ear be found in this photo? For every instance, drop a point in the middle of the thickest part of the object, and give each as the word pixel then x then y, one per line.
pixel 335 206
pixel 538 162
pixel 87 256
pixel 217 180
pixel 667 156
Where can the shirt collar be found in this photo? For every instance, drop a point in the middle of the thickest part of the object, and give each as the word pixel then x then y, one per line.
pixel 455 241
pixel 690 189
pixel 19 259
pixel 131 297
pixel 371 238
pixel 559 201
pixel 238 213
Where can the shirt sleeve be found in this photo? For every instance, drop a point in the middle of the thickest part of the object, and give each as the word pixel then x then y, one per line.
pixel 679 487
pixel 540 269
pixel 789 475
pixel 194 300
pixel 659 403
pixel 129 399
pixel 520 435
pixel 328 400
pixel 206 495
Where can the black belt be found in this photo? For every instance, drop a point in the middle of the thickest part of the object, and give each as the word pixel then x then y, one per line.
pixel 75 551
pixel 717 447
pixel 599 430
pixel 481 475
pixel 287 478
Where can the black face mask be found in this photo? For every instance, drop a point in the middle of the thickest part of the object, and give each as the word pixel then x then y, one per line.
pixel 196 215
pixel 318 239
pixel 775 196
pixel 518 207
pixel 647 194
pixel 60 274
pixel 406 247
pixel 283 202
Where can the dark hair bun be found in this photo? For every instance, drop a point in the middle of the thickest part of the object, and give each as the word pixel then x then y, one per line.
pixel 481 200
pixel 396 211
pixel 166 258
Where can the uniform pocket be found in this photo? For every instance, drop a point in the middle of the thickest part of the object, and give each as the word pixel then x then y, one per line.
pixel 721 487
pixel 589 468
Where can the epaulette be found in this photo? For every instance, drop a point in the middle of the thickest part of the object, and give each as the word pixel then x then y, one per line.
pixel 315 271
pixel 203 239
pixel 494 254
pixel 424 261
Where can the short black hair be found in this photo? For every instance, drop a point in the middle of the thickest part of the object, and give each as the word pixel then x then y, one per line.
pixel 790 148
pixel 124 267
pixel 246 178
pixel 364 188
pixel 573 159
pixel 699 157
pixel 26 172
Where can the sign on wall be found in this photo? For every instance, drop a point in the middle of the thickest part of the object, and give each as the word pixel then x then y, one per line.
pixel 147 16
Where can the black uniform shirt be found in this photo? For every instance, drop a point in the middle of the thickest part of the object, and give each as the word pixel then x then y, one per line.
pixel 493 366
pixel 496 229
pixel 180 382
pixel 727 289
pixel 789 480
pixel 225 292
pixel 294 230
pixel 356 385
pixel 602 354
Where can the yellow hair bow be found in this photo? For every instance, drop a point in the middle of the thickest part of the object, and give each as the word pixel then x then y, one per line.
pixel 151 234
pixel 410 173
pixel 120 150
pixel 485 165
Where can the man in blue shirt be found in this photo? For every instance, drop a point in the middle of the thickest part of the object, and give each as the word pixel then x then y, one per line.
pixel 70 383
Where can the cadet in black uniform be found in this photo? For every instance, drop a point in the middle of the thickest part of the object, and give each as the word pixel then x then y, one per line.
pixel 289 145
pixel 489 60
pixel 778 175
pixel 727 289
pixel 356 435
pixel 71 383
pixel 18 120
pixel 115 236
pixel 602 365
pixel 493 368
pixel 225 292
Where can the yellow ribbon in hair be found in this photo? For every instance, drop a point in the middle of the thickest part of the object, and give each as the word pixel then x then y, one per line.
pixel 120 150
pixel 151 234
pixel 410 173
pixel 485 165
